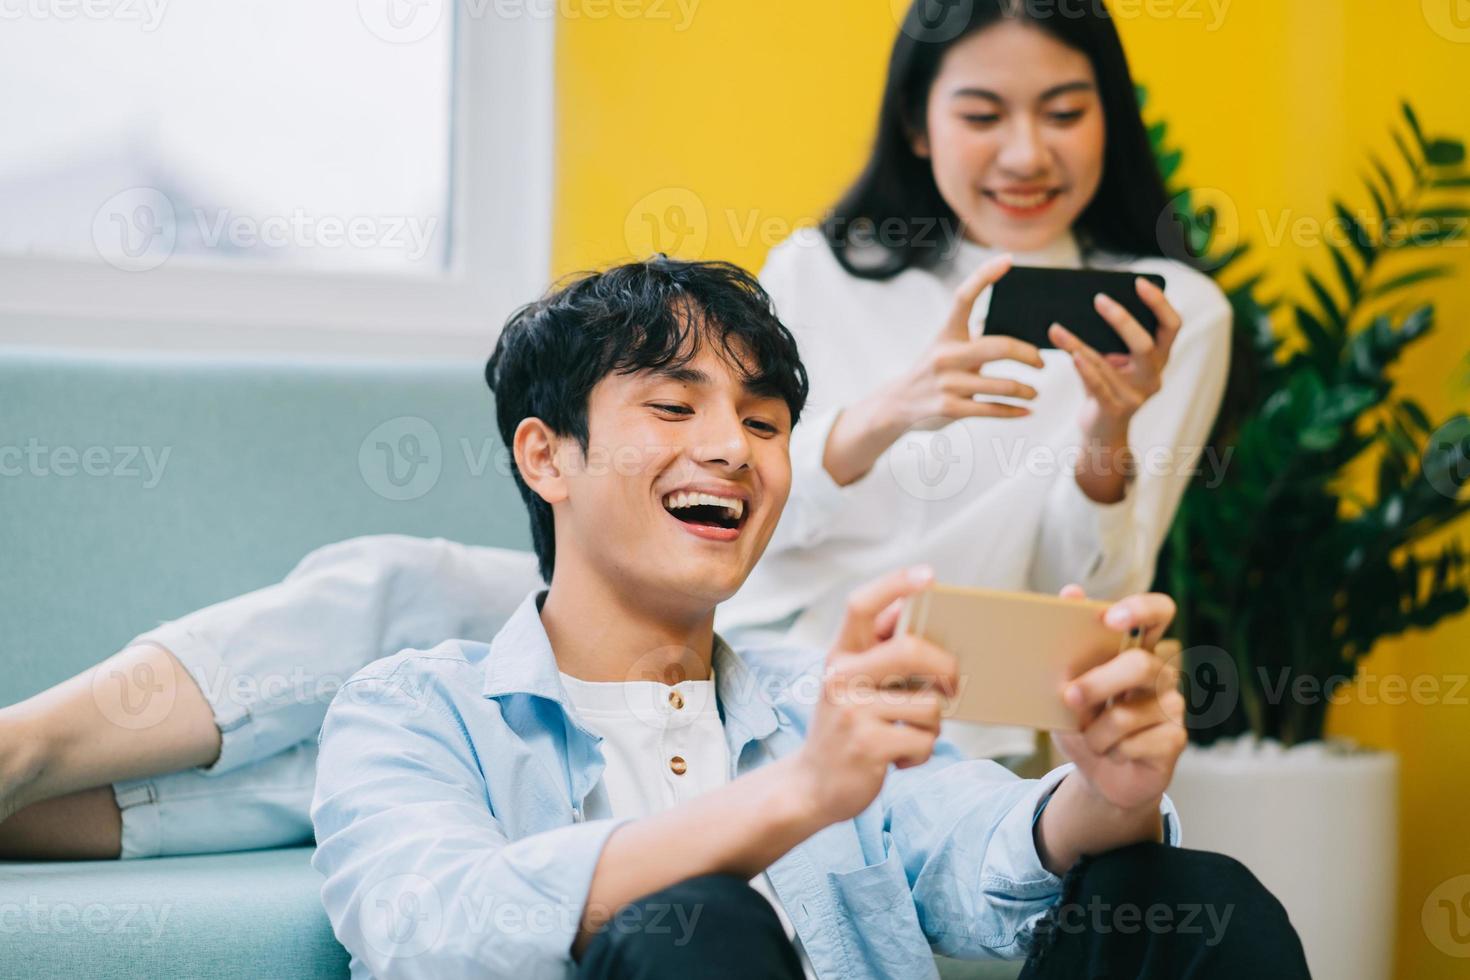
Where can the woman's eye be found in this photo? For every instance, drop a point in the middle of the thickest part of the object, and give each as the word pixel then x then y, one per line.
pixel 982 120
pixel 1066 117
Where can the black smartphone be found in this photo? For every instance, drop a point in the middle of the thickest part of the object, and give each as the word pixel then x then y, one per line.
pixel 1026 301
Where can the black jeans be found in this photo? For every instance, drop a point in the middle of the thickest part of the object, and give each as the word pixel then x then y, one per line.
pixel 1147 911
pixel 715 927
pixel 1164 913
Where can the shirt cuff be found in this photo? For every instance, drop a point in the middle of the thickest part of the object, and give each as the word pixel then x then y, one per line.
pixel 208 669
pixel 1170 815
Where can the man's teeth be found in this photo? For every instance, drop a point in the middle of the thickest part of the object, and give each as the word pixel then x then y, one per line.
pixel 1022 200
pixel 734 505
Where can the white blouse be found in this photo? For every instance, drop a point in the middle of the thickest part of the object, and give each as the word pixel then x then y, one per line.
pixel 987 502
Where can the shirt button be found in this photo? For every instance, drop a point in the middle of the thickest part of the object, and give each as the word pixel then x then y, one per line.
pixel 679 766
pixel 676 699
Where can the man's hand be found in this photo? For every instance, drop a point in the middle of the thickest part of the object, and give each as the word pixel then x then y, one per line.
pixel 1129 710
pixel 1130 713
pixel 881 700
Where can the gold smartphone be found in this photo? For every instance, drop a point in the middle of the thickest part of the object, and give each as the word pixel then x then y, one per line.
pixel 1016 650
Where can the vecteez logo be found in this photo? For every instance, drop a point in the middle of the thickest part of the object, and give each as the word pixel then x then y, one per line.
pixel 401 459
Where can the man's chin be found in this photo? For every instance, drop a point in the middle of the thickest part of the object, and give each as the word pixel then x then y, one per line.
pixel 697 586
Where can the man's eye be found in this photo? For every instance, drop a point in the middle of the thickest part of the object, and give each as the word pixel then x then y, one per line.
pixel 672 409
pixel 762 426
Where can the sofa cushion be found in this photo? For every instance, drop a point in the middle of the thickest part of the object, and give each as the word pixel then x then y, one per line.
pixel 249 914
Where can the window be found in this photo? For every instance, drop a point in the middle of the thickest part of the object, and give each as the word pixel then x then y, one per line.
pixel 348 165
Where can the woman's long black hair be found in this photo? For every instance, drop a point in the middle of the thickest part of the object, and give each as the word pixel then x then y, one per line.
pixel 897 189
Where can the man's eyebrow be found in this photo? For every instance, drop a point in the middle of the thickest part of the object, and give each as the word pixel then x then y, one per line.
pixel 682 374
pixel 759 387
pixel 970 91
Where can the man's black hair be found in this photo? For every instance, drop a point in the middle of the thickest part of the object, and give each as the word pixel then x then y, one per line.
pixel 651 315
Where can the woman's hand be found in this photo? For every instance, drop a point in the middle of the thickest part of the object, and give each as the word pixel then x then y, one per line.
pixel 946 384
pixel 1118 384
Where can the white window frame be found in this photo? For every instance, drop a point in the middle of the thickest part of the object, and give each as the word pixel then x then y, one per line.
pixel 502 156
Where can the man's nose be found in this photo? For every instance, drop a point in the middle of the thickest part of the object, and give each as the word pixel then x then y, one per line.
pixel 722 439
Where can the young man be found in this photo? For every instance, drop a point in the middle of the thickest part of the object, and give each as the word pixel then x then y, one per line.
pixel 608 789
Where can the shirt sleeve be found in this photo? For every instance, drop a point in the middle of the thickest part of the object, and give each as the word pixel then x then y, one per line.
pixel 422 880
pixel 270 660
pixel 964 830
pixel 1111 549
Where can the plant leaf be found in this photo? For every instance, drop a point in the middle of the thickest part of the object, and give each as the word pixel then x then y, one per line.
pixel 1409 158
pixel 1445 153
pixel 1344 273
pixel 1357 235
pixel 1320 345
pixel 1390 188
pixel 1413 120
pixel 1169 164
pixel 1409 279
pixel 1442 212
pixel 1380 204
pixel 1329 306
pixel 1415 413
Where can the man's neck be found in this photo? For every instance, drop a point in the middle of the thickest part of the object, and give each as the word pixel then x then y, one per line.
pixel 601 633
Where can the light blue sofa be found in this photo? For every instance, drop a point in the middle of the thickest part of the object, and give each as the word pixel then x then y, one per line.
pixel 99 540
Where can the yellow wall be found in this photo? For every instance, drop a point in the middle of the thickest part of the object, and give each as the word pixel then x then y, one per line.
pixel 713 136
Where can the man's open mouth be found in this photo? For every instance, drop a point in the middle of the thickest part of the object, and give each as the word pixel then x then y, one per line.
pixel 706 509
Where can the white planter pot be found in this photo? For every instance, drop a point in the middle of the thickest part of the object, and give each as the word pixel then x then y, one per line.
pixel 1318 824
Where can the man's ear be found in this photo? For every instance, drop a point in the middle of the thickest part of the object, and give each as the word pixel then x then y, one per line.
pixel 537 452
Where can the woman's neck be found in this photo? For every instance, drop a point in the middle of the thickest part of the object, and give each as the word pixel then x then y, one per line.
pixel 1060 253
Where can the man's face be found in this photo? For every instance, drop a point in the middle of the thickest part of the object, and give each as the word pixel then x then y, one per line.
pixel 683 481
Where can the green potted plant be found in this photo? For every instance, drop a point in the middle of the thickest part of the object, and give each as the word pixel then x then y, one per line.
pixel 1324 536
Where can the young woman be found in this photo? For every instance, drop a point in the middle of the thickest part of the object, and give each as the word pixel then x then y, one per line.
pixel 1014 131
pixel 1013 137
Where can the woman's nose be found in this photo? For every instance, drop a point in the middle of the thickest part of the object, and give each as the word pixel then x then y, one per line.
pixel 1023 154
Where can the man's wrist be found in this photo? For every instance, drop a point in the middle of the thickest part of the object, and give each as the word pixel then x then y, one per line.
pixel 1078 821
pixel 794 813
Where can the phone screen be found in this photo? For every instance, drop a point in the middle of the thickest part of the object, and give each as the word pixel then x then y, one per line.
pixel 1026 301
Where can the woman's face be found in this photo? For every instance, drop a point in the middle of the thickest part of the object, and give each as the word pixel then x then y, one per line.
pixel 1015 135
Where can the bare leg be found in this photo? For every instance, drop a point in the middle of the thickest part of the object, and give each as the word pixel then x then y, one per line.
pixel 79 826
pixel 136 714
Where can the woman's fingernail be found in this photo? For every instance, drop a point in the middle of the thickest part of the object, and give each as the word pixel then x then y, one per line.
pixel 1116 616
pixel 1073 696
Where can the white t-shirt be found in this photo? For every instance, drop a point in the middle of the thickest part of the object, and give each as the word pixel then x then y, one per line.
pixel 662 745
pixel 988 502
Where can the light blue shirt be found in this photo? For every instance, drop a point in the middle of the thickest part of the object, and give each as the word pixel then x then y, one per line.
pixel 450 830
